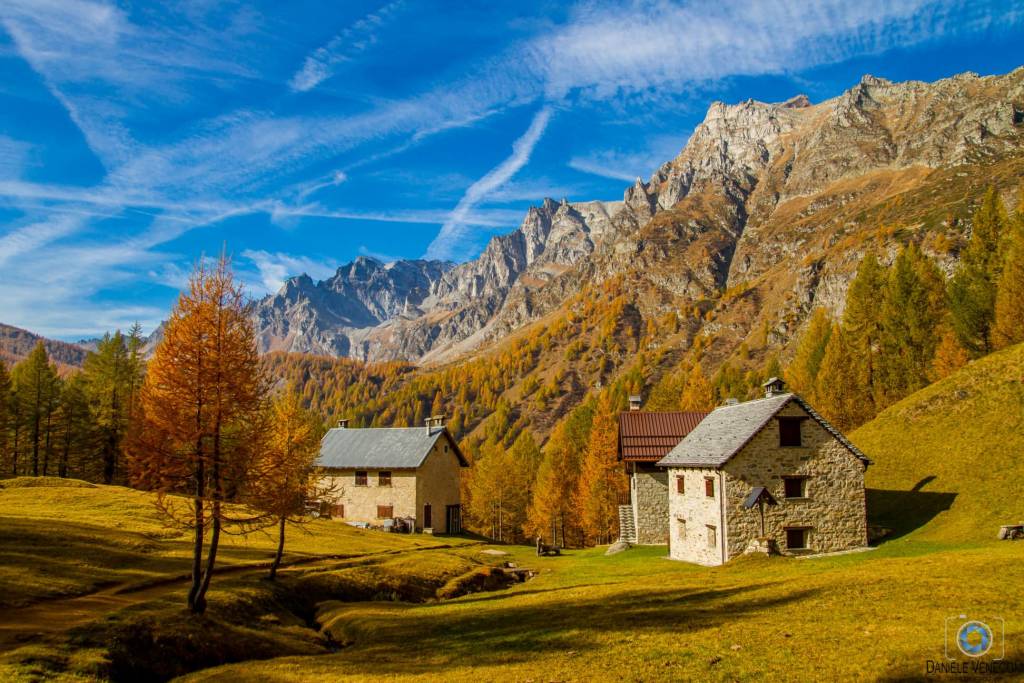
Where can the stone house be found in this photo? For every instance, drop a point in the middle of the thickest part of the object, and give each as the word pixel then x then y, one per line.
pixel 775 457
pixel 383 474
pixel 644 439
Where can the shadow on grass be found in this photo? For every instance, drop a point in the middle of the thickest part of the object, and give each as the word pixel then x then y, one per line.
pixel 393 644
pixel 906 511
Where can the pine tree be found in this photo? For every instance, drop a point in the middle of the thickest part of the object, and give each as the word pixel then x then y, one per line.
pixel 1008 328
pixel 840 399
pixel 802 373
pixel 5 418
pixel 112 375
pixel 37 386
pixel 863 326
pixel 201 410
pixel 698 395
pixel 972 290
pixel 912 313
pixel 949 356
pixel 602 483
pixel 76 432
pixel 285 478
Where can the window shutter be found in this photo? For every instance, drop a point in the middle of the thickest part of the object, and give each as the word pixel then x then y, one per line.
pixel 680 484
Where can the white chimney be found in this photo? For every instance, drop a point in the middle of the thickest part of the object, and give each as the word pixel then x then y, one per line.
pixel 434 422
pixel 343 423
pixel 634 401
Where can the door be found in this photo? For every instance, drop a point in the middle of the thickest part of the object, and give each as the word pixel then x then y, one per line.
pixel 454 519
pixel 428 521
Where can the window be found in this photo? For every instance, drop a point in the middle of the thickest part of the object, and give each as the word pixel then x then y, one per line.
pixel 383 479
pixel 789 431
pixel 385 511
pixel 795 487
pixel 428 517
pixel 712 537
pixel 681 528
pixel 796 538
pixel 709 487
pixel 680 484
pixel 360 478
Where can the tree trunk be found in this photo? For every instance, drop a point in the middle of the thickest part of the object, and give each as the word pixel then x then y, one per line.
pixel 211 553
pixel 280 550
pixel 197 544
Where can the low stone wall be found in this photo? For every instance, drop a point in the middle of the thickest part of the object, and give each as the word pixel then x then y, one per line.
pixel 651 491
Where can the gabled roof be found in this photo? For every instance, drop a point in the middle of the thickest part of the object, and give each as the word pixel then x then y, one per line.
pixel 381 448
pixel 648 436
pixel 729 428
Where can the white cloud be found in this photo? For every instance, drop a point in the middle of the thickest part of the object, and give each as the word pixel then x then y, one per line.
pixel 275 268
pixel 449 241
pixel 322 63
pixel 630 165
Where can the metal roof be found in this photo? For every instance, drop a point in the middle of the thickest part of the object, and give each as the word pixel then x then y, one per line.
pixel 729 428
pixel 395 448
pixel 649 436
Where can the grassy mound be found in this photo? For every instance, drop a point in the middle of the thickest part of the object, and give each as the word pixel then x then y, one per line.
pixel 949 459
pixel 44 482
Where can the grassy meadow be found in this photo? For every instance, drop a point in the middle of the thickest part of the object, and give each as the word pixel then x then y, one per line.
pixel 363 605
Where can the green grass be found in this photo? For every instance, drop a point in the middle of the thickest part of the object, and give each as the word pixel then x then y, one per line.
pixel 62 538
pixel 947 472
pixel 950 458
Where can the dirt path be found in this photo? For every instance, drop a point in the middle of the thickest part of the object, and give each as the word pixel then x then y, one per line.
pixel 25 625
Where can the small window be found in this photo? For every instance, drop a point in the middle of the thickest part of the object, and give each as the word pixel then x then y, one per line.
pixel 709 487
pixel 385 511
pixel 446 448
pixel 428 517
pixel 796 539
pixel 680 484
pixel 360 478
pixel 681 528
pixel 789 431
pixel 795 487
pixel 383 479
pixel 712 537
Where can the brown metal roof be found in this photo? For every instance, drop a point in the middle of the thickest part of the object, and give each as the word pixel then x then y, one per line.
pixel 649 437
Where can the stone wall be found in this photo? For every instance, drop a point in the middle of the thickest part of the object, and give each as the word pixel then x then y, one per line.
pixel 650 504
pixel 437 484
pixel 690 515
pixel 361 501
pixel 833 508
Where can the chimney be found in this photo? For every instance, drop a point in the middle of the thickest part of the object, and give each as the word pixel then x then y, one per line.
pixel 343 423
pixel 634 401
pixel 434 423
pixel 732 401
pixel 773 387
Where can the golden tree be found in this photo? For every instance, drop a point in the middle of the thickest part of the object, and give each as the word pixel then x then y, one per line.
pixel 1009 306
pixel 201 415
pixel 285 478
pixel 698 394
pixel 949 356
pixel 602 483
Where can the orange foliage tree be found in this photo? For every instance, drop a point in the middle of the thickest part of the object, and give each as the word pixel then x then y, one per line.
pixel 602 482
pixel 202 404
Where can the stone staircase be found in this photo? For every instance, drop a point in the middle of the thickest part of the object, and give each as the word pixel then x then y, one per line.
pixel 627 524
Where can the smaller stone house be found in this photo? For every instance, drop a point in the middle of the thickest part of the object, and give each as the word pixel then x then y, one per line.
pixel 382 474
pixel 644 439
pixel 776 450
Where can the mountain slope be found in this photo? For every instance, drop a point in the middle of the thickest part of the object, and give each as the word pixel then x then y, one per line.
pixel 956 444
pixel 16 344
pixel 777 201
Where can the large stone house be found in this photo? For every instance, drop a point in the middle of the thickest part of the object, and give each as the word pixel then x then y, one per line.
pixel 644 439
pixel 765 473
pixel 382 475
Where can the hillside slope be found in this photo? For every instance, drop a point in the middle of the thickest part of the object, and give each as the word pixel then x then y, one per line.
pixel 957 444
pixel 16 343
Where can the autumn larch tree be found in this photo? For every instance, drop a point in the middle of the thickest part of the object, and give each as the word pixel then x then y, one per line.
pixel 802 373
pixel 840 400
pixel 862 325
pixel 972 290
pixel 36 387
pixel 285 476
pixel 112 375
pixel 201 408
pixel 1008 326
pixel 602 483
pixel 698 394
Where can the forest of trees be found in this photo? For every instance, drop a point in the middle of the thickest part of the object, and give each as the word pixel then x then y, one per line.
pixel 904 325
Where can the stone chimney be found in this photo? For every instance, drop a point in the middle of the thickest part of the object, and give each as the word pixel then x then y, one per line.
pixel 634 401
pixel 773 387
pixel 732 401
pixel 343 423
pixel 434 424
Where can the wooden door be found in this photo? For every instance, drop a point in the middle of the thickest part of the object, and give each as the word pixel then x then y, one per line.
pixel 428 521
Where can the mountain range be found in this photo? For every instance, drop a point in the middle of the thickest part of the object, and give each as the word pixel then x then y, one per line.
pixel 779 200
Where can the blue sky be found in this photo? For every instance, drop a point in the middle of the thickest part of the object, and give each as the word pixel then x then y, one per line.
pixel 137 136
